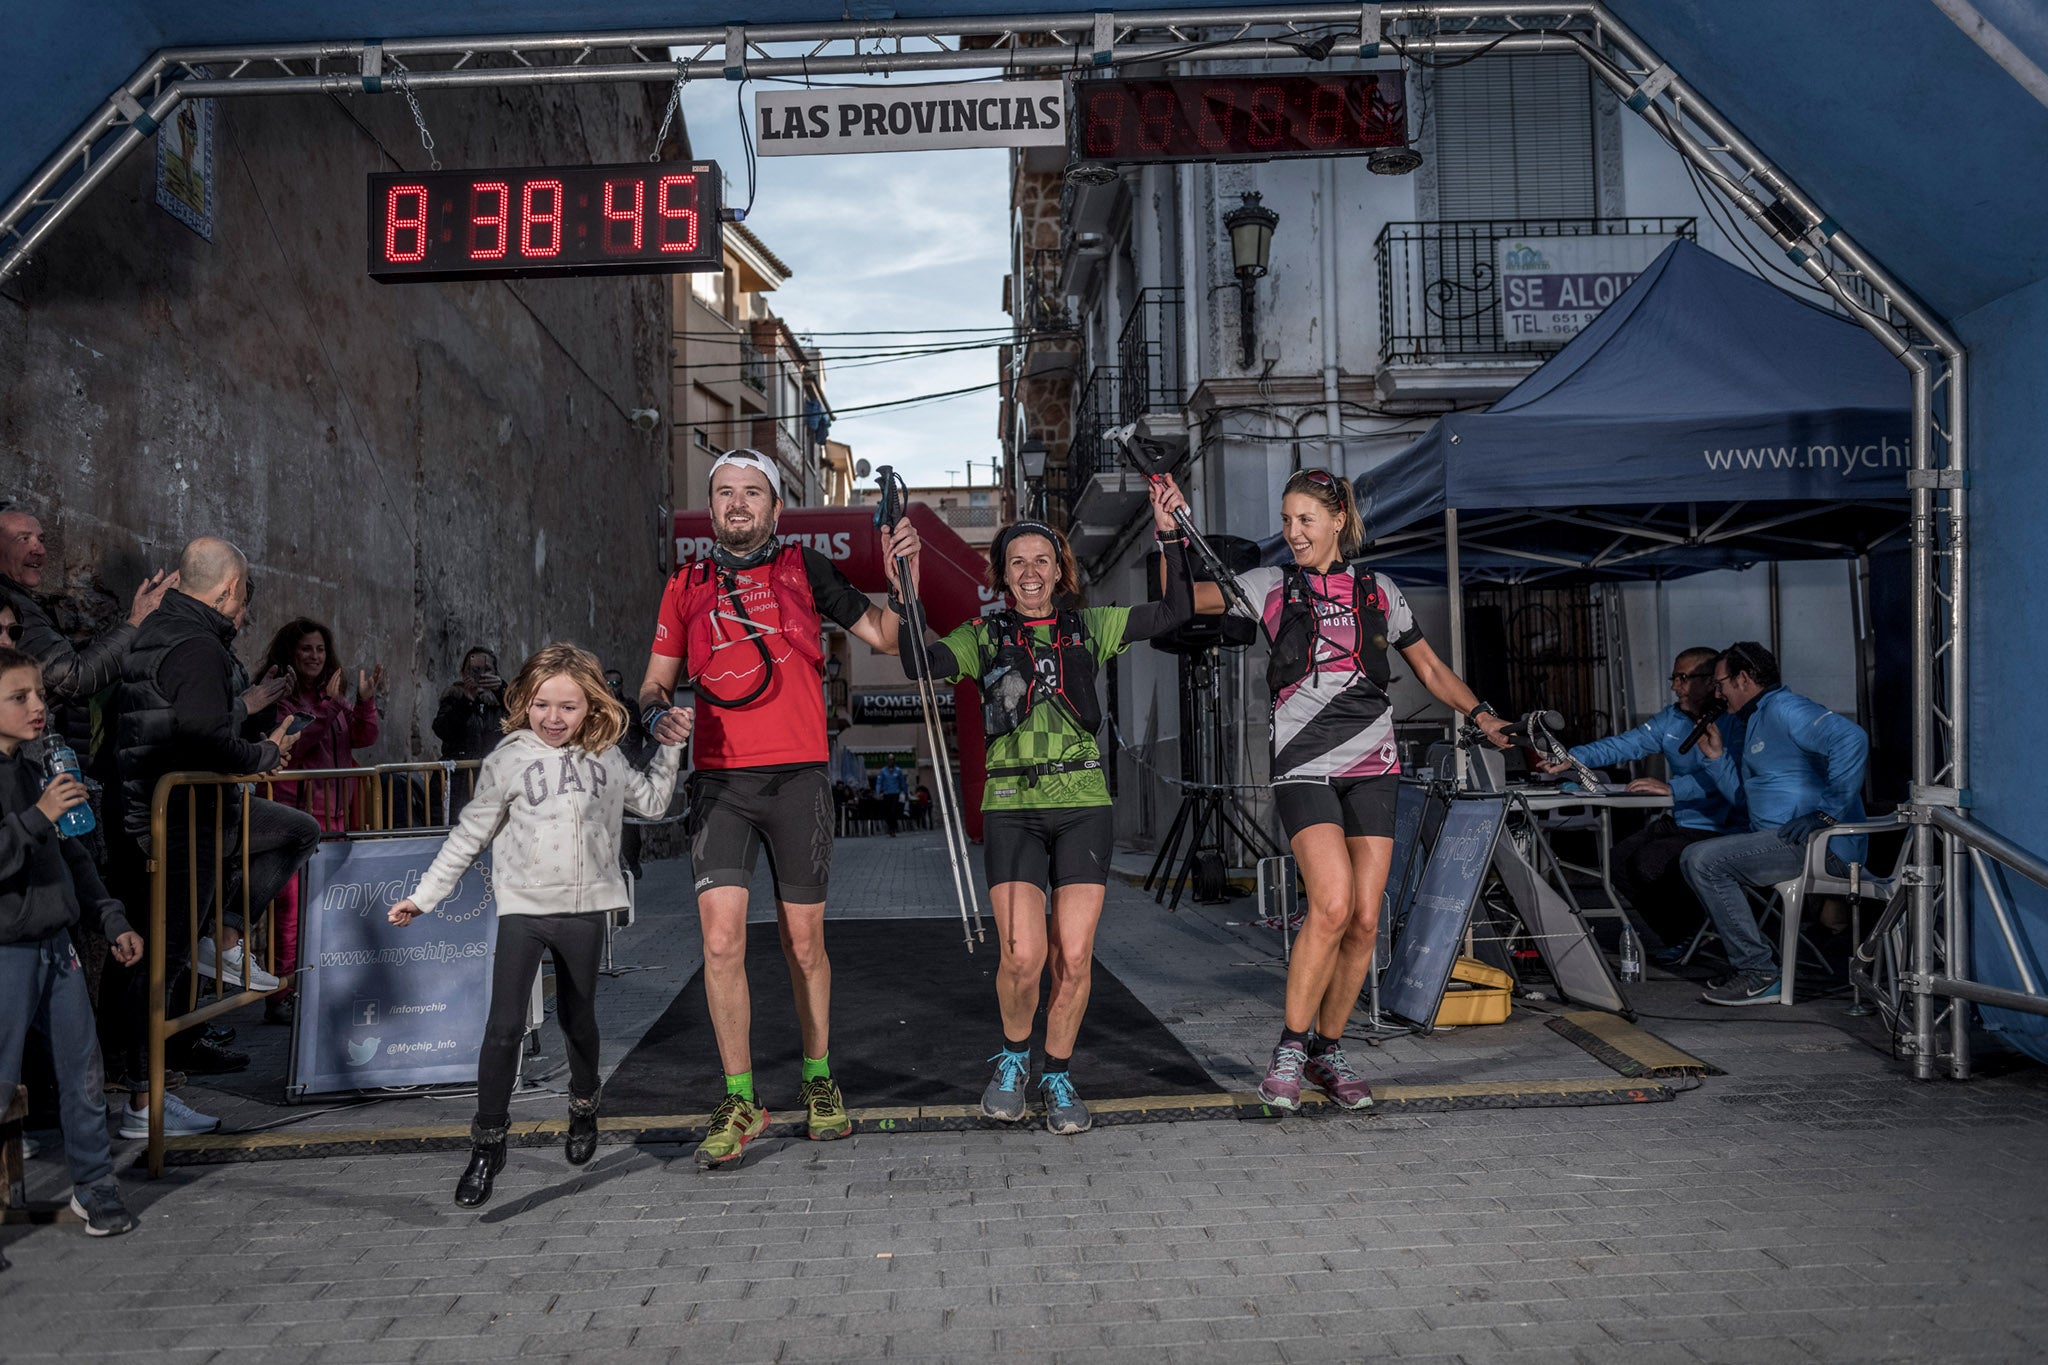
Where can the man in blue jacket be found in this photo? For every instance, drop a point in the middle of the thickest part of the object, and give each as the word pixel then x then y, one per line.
pixel 1646 863
pixel 1799 770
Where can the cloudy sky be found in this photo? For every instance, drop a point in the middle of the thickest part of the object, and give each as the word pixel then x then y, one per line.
pixel 915 240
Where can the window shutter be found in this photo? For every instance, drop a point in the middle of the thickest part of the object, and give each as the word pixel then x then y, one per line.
pixel 1514 138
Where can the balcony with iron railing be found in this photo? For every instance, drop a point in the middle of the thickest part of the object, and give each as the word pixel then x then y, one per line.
pixel 1151 373
pixel 1440 293
pixel 1097 495
pixel 754 367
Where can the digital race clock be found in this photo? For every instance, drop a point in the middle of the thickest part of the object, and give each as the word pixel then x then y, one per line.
pixel 1238 118
pixel 636 219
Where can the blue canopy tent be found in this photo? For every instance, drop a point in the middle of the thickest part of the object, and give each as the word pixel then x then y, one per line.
pixel 1706 419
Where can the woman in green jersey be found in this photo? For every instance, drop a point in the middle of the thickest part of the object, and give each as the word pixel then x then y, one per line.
pixel 1046 809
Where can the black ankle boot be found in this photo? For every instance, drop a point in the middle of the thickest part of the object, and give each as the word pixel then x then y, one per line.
pixel 486 1159
pixel 582 1141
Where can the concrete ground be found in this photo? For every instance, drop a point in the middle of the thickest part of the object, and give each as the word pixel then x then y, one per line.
pixel 1809 1204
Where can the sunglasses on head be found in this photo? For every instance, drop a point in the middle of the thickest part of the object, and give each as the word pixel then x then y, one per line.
pixel 1322 478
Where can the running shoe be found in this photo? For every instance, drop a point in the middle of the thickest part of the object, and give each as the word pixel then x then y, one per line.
pixel 1331 1073
pixel 736 1122
pixel 235 966
pixel 180 1120
pixel 103 1213
pixel 1744 988
pixel 826 1114
pixel 1004 1098
pixel 1064 1112
pixel 1282 1086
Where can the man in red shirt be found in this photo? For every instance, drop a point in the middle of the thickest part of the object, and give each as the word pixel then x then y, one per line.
pixel 743 631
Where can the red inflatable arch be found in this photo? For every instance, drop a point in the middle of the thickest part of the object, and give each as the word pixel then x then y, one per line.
pixel 954 579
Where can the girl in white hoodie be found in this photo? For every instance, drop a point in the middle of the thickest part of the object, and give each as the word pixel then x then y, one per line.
pixel 549 801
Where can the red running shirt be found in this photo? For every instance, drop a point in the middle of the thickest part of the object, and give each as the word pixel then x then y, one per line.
pixel 786 723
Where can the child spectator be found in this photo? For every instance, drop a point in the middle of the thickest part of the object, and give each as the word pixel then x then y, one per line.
pixel 48 884
pixel 550 801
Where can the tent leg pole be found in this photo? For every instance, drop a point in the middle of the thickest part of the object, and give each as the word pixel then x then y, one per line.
pixel 1455 591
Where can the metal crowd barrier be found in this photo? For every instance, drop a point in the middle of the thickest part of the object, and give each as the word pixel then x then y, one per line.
pixel 359 800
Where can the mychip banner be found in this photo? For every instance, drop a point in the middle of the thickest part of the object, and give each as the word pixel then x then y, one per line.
pixel 379 1005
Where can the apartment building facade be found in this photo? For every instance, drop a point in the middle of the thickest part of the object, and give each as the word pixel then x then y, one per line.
pixel 1378 309
pixel 744 377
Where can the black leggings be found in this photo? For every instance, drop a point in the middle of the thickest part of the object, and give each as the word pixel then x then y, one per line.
pixel 577 943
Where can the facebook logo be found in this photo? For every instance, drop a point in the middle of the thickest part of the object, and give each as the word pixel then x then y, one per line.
pixel 364 1013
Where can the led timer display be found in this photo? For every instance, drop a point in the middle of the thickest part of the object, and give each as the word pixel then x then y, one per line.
pixel 1238 118
pixel 634 219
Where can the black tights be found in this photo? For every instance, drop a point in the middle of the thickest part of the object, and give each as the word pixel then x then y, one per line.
pixel 577 943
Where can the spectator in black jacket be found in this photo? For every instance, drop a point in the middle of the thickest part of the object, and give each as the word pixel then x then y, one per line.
pixel 71 676
pixel 179 708
pixel 47 885
pixel 471 720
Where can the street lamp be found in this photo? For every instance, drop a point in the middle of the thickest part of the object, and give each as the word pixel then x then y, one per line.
pixel 1031 461
pixel 1250 226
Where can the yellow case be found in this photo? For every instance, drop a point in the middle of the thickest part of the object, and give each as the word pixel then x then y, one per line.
pixel 1478 994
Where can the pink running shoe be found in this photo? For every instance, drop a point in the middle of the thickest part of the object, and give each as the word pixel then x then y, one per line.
pixel 1282 1086
pixel 1332 1074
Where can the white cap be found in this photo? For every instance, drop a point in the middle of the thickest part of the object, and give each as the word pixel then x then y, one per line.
pixel 750 459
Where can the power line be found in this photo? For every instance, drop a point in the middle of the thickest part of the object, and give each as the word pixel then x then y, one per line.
pixel 838 413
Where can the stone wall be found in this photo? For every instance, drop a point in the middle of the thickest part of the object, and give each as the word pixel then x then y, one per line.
pixel 423 466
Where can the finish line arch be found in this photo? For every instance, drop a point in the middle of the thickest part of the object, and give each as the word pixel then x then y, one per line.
pixel 954 584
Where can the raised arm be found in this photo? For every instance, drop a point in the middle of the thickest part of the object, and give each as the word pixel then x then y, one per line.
pixel 1176 605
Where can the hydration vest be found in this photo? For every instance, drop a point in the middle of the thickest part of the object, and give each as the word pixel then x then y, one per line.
pixel 1021 672
pixel 1294 639
pixel 710 597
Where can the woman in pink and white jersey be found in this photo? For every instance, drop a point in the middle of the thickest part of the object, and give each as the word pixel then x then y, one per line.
pixel 1335 766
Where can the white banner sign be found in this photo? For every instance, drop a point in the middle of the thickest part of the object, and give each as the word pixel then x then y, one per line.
pixel 1551 287
pixel 916 118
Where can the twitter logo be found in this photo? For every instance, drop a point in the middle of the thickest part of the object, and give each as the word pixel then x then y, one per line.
pixel 364 1052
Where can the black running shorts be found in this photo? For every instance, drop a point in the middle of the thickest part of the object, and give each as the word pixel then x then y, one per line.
pixel 734 812
pixel 1364 806
pixel 1071 845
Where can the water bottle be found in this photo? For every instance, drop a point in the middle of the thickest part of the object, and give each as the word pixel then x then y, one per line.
pixel 1631 953
pixel 79 819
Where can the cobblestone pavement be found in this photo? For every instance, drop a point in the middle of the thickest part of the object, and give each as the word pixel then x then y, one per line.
pixel 1810 1204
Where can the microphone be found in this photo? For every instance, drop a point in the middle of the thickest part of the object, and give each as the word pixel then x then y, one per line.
pixel 1716 708
pixel 1535 724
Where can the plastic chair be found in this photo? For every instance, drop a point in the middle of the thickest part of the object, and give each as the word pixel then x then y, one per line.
pixel 1817 880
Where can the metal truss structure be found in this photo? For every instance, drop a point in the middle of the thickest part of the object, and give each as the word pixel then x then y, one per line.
pixel 1926 996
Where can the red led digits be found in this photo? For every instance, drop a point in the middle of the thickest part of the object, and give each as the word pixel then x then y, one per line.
pixel 399 221
pixel 1105 123
pixel 623 229
pixel 540 230
pixel 675 200
pixel 490 232
pixel 537 221
pixel 1325 115
pixel 1268 124
pixel 1155 123
pixel 1212 129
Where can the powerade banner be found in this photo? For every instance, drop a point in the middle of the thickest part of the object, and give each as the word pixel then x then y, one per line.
pixel 380 1005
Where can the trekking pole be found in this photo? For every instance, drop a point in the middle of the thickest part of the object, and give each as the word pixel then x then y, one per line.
pixel 951 820
pixel 1150 459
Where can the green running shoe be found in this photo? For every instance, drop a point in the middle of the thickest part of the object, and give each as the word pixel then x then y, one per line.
pixel 736 1122
pixel 827 1115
